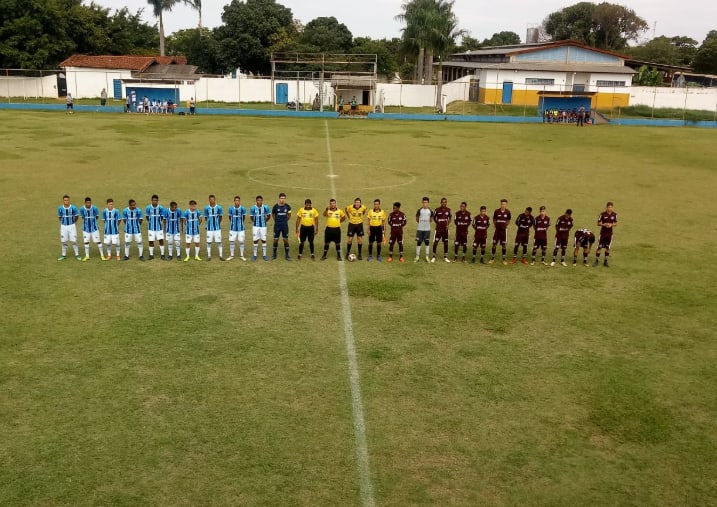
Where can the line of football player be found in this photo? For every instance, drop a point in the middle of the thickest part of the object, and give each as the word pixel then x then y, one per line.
pixel 171 222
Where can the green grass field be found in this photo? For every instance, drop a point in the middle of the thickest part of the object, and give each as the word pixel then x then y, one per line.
pixel 215 383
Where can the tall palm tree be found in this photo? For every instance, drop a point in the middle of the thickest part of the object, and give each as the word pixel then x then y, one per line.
pixel 431 29
pixel 197 6
pixel 158 7
pixel 415 14
pixel 442 37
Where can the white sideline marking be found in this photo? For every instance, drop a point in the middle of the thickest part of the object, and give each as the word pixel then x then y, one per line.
pixel 365 486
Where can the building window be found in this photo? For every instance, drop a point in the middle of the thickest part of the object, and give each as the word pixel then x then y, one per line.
pixel 539 81
pixel 609 84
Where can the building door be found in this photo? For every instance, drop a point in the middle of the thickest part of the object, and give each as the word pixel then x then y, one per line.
pixel 61 85
pixel 117 89
pixel 366 98
pixel 282 93
pixel 507 92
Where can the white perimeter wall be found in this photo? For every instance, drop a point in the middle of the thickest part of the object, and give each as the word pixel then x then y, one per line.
pixel 679 98
pixel 415 95
pixel 83 84
pixel 88 84
pixel 28 87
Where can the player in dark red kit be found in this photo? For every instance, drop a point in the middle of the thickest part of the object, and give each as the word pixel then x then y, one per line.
pixel 562 235
pixel 442 218
pixel 501 220
pixel 525 222
pixel 584 238
pixel 607 221
pixel 463 222
pixel 481 222
pixel 396 221
pixel 540 239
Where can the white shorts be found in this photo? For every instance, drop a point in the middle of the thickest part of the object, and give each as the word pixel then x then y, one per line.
pixel 111 239
pixel 68 233
pixel 191 238
pixel 155 235
pixel 137 238
pixel 259 233
pixel 91 236
pixel 214 236
pixel 174 238
pixel 237 235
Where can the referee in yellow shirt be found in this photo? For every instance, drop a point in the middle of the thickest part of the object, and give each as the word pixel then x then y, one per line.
pixel 332 233
pixel 307 226
pixel 376 229
pixel 355 213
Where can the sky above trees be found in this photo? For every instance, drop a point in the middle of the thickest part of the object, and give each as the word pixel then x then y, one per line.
pixel 375 18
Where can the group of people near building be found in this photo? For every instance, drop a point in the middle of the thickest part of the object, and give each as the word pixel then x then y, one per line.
pixel 578 116
pixel 433 227
pixel 147 105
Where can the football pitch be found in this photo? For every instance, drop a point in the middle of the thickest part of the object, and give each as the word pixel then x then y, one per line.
pixel 319 383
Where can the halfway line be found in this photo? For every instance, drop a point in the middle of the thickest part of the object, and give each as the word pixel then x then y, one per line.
pixel 365 486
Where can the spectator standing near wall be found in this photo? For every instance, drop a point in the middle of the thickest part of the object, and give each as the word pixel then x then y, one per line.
pixel 103 97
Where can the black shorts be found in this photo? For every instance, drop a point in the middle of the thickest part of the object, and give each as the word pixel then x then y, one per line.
pixel 306 232
pixel 355 230
pixel 605 242
pixel 423 237
pixel 332 234
pixel 585 242
pixel 522 238
pixel 480 241
pixel 561 240
pixel 396 237
pixel 540 242
pixel 375 234
pixel 500 236
pixel 281 230
pixel 440 235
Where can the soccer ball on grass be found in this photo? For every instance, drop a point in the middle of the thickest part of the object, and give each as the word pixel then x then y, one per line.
pixel 351 257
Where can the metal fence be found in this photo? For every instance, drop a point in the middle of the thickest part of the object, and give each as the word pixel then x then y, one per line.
pixel 465 96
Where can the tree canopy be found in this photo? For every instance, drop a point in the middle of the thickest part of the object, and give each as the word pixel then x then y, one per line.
pixel 605 25
pixel 706 57
pixel 249 30
pixel 39 34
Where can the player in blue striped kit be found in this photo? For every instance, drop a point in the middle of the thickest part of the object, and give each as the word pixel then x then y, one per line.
pixel 192 220
pixel 67 214
pixel 237 231
pixel 132 218
pixel 260 214
pixel 90 231
pixel 111 217
pixel 173 223
pixel 154 213
pixel 213 222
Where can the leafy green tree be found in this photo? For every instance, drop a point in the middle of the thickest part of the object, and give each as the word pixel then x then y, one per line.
pixel 468 43
pixel 686 49
pixel 129 35
pixel 574 22
pixel 605 25
pixel 385 51
pixel 648 76
pixel 200 48
pixel 326 35
pixel 502 39
pixel 706 58
pixel 249 30
pixel 34 34
pixel 615 25
pixel 668 50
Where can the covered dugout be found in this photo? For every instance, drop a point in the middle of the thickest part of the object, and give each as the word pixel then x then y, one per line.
pixel 564 101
